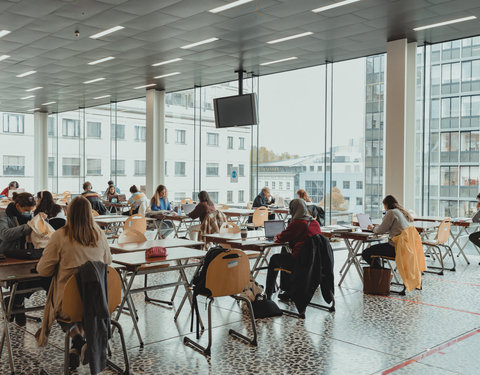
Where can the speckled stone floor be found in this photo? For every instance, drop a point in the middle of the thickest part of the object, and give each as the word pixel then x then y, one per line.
pixel 432 331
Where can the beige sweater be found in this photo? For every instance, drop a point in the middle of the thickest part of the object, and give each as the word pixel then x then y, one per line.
pixel 60 259
pixel 393 223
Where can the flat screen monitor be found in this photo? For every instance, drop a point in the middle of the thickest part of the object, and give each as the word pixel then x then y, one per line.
pixel 238 110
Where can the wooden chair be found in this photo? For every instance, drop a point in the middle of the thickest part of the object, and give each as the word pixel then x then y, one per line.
pixel 72 306
pixel 249 205
pixel 137 222
pixel 227 275
pixel 434 247
pixel 229 227
pixel 186 201
pixel 5 202
pixel 131 236
pixel 260 216
pixel 95 213
pixel 221 207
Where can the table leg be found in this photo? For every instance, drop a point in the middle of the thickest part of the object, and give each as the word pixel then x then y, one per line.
pixel 455 240
pixel 6 327
pixel 188 293
pixel 263 259
pixel 352 260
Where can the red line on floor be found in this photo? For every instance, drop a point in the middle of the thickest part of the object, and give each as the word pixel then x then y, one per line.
pixel 430 352
pixel 428 304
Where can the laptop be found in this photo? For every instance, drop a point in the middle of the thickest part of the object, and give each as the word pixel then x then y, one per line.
pixel 476 217
pixel 187 208
pixel 18 191
pixel 272 228
pixel 364 221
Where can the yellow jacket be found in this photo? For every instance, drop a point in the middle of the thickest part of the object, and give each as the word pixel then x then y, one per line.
pixel 409 257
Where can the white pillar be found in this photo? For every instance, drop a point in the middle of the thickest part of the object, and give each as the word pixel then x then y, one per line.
pixel 40 124
pixel 155 133
pixel 400 121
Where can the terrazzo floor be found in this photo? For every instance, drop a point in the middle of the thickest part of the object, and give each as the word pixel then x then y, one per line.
pixel 432 331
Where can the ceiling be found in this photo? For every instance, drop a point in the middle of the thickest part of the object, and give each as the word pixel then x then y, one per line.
pixel 43 39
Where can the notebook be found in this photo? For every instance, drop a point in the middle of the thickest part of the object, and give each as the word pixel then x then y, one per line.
pixel 272 228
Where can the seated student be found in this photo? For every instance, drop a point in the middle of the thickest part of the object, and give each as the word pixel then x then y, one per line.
pixel 300 228
pixel 203 208
pixel 159 202
pixel 396 219
pixel 13 242
pixel 47 205
pixel 110 183
pixel 138 202
pixel 11 186
pixel 93 198
pixel 302 194
pixel 79 241
pixel 112 194
pixel 475 236
pixel 264 199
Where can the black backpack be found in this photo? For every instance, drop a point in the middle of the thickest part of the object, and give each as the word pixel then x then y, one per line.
pixel 198 282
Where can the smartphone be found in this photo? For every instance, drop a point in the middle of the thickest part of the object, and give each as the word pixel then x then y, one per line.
pixel 3 258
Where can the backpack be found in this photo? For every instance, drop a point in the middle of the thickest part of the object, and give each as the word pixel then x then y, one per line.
pixel 198 282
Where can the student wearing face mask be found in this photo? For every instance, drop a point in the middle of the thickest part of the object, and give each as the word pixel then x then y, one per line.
pixel 13 232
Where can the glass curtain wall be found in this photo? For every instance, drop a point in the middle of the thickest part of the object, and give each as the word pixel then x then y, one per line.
pixel 448 127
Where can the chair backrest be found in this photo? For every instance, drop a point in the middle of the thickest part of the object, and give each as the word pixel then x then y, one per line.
pixel 229 227
pixel 221 207
pixel 57 222
pixel 249 205
pixel 5 201
pixel 186 201
pixel 260 216
pixel 131 236
pixel 137 222
pixel 228 273
pixel 66 193
pixel 443 233
pixel 72 302
pixel 95 213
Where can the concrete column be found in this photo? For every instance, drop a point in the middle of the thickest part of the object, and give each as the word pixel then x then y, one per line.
pixel 400 121
pixel 40 124
pixel 155 133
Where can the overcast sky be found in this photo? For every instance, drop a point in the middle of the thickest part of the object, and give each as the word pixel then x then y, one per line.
pixel 291 108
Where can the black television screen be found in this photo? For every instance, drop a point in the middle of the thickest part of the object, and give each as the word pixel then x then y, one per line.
pixel 238 110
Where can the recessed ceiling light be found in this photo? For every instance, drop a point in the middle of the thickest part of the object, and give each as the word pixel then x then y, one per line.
pixel 106 32
pixel 279 61
pixel 233 4
pixel 445 23
pixel 4 57
pixel 142 87
pixel 34 88
pixel 33 109
pixel 101 60
pixel 26 73
pixel 290 37
pixel 94 80
pixel 4 32
pixel 28 97
pixel 334 5
pixel 102 97
pixel 48 103
pixel 166 75
pixel 167 61
pixel 210 40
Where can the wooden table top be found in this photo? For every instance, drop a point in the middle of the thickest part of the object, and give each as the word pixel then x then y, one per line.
pixel 134 259
pixel 461 221
pixel 253 244
pixel 237 212
pixel 224 237
pixel 17 270
pixel 167 243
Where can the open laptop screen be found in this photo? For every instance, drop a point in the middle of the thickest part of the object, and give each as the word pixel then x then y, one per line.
pixel 364 221
pixel 273 227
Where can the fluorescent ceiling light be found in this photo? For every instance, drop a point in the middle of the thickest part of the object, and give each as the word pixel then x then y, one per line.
pixel 142 87
pixel 233 4
pixel 4 32
pixel 48 103
pixel 4 57
pixel 34 88
pixel 166 75
pixel 279 61
pixel 101 60
pixel 106 32
pixel 167 61
pixel 102 97
pixel 26 73
pixel 334 5
pixel 290 37
pixel 33 109
pixel 94 80
pixel 445 23
pixel 28 97
pixel 210 40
